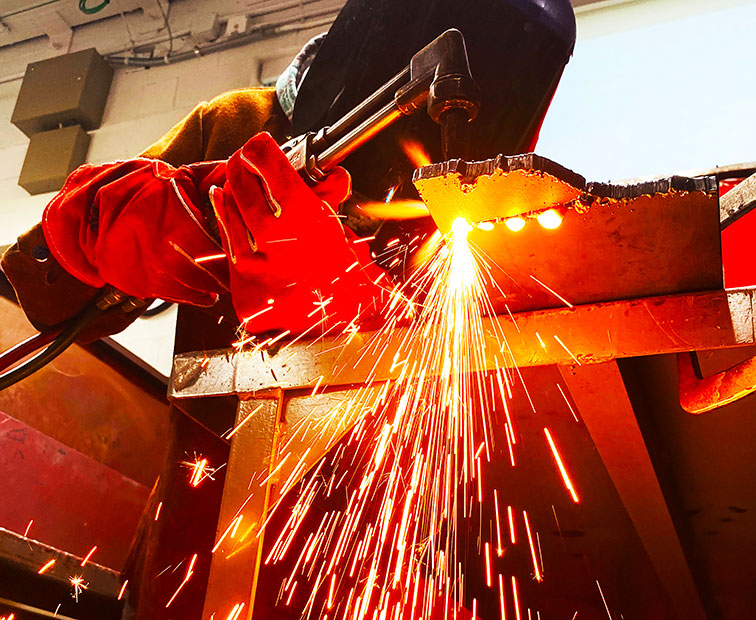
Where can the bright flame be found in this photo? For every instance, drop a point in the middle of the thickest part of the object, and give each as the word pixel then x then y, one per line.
pixel 515 224
pixel 549 219
pixel 416 153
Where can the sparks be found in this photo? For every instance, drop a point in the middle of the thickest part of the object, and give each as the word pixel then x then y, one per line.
pixel 608 613
pixel 512 533
pixel 564 346
pixel 78 585
pixel 553 292
pixel 537 571
pixel 236 428
pixel 562 469
pixel 516 598
pixel 46 567
pixel 198 471
pixel 499 549
pixel 189 573
pixel 502 606
pixel 409 465
pixel 89 555
pixel 204 259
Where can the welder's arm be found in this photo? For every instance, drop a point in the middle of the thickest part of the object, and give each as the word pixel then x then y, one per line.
pixel 150 230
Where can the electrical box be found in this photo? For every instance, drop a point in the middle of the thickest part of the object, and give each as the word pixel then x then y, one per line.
pixel 51 157
pixel 63 90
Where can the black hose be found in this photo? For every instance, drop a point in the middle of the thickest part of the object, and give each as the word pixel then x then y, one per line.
pixel 60 344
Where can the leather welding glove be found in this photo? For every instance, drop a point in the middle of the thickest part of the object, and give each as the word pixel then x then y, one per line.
pixel 149 230
pixel 137 225
pixel 292 264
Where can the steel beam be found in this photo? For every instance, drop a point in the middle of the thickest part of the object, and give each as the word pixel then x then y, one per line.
pixel 601 397
pixel 591 333
pixel 236 559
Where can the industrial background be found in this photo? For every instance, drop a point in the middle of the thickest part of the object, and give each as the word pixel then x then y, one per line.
pixel 655 88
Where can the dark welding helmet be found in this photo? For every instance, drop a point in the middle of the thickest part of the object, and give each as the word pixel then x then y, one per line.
pixel 517 51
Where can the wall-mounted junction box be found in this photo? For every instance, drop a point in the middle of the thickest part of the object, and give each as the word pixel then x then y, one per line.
pixel 51 157
pixel 65 90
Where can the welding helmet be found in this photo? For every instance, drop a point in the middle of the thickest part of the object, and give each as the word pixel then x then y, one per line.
pixel 517 51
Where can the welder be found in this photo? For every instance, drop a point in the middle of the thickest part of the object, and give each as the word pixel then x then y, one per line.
pixel 165 226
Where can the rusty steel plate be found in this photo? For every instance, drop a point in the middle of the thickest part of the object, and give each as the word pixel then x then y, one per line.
pixel 614 242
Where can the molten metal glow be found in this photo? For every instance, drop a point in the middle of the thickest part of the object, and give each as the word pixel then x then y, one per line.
pixel 550 219
pixel 515 224
pixel 416 153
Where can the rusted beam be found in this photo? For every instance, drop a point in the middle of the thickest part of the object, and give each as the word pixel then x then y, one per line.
pixel 605 408
pixel 591 333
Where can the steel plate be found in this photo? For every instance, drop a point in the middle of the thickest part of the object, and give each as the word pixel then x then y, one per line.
pixel 614 242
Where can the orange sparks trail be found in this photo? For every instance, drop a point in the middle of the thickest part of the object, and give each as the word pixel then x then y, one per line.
pixel 419 453
pixel 512 533
pixel 78 585
pixel 189 573
pixel 536 570
pixel 122 590
pixel 235 611
pixel 488 565
pixel 516 598
pixel 406 456
pixel 606 607
pixel 89 555
pixel 28 527
pixel 199 471
pixel 560 465
pixel 502 605
pixel 46 567
pixel 499 549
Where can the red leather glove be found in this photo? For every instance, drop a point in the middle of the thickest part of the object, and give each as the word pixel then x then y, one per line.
pixel 142 226
pixel 136 225
pixel 285 242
